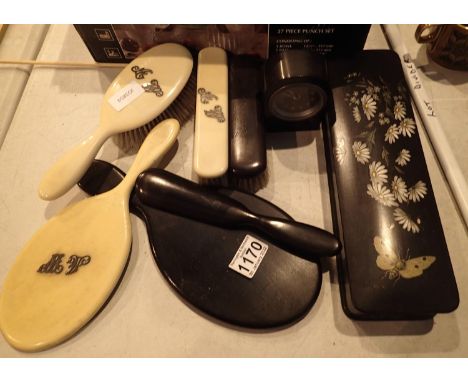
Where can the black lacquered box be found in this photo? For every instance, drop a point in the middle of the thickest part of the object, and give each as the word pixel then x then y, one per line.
pixel 395 263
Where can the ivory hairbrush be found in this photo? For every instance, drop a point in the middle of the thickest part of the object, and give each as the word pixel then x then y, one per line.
pixel 70 267
pixel 142 91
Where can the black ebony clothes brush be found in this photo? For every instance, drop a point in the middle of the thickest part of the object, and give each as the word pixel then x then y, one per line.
pixel 395 262
pixel 196 258
pixel 247 150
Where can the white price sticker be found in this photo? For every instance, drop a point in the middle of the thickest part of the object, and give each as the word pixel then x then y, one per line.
pixel 248 257
pixel 126 95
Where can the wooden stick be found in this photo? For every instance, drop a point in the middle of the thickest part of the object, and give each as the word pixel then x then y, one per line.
pixel 71 64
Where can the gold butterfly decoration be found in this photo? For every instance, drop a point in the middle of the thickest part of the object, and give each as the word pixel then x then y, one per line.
pixel 396 267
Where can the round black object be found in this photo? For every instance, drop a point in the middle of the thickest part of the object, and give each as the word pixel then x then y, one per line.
pixel 194 257
pixel 297 101
pixel 295 83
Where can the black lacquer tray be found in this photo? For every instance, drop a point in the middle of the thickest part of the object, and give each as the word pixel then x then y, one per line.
pixel 395 263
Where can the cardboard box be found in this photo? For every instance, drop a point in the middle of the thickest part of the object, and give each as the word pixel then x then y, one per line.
pixel 123 42
pixel 326 39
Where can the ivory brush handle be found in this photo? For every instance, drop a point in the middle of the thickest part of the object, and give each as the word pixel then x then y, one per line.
pixel 69 168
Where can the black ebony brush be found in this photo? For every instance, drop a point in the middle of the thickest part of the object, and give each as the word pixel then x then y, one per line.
pixel 166 191
pixel 247 149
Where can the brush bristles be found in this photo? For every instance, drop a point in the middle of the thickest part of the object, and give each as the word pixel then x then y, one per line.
pixel 222 181
pixel 223 40
pixel 250 184
pixel 182 109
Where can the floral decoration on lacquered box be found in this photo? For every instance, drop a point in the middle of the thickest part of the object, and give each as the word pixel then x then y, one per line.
pixel 395 261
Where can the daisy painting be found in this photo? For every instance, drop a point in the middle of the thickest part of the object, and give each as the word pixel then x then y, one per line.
pixel 399 111
pixel 378 173
pixel 399 189
pixel 383 119
pixel 407 126
pixel 369 106
pixel 403 157
pixel 405 221
pixel 392 134
pixel 361 152
pixel 382 194
pixel 417 192
pixel 340 151
pixel 356 114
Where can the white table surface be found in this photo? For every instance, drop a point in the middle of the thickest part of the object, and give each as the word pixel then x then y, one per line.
pixel 60 107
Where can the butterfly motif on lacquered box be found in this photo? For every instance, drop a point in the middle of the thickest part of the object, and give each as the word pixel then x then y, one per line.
pixel 394 266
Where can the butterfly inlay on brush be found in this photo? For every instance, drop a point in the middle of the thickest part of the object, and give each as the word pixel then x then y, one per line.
pixel 216 113
pixel 153 87
pixel 206 96
pixel 140 73
pixel 396 267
